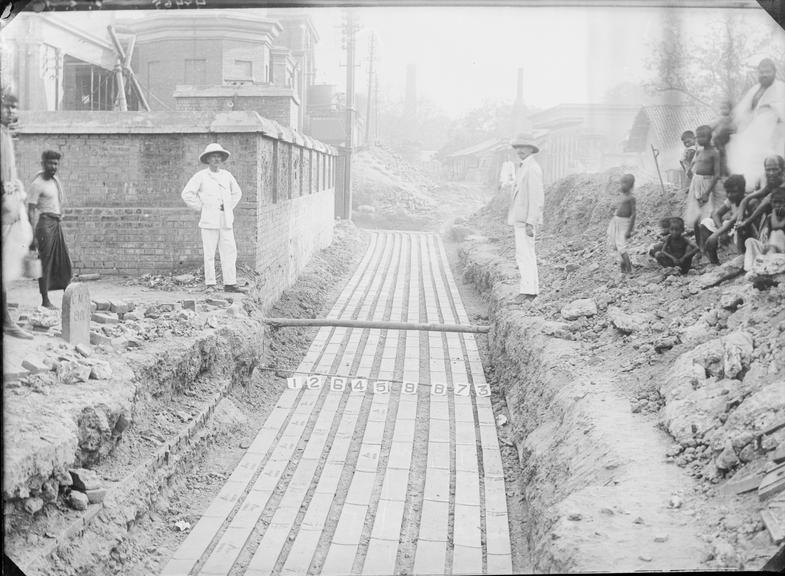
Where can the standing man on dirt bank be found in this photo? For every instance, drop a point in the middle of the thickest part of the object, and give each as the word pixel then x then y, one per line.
pixel 214 192
pixel 525 213
pixel 45 207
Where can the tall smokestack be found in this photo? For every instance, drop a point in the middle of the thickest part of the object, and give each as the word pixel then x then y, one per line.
pixel 521 123
pixel 411 92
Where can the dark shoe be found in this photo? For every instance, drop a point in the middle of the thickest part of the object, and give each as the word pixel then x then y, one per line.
pixel 49 306
pixel 15 331
pixel 235 288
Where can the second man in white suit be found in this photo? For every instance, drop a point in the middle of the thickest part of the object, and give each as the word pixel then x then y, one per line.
pixel 525 213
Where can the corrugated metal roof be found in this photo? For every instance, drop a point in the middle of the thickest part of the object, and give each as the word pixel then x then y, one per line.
pixel 666 122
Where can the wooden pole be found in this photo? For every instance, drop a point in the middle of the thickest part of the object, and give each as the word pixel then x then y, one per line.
pixel 282 322
pixel 125 60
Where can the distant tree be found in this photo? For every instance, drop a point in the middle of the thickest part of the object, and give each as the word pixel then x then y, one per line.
pixel 491 120
pixel 715 66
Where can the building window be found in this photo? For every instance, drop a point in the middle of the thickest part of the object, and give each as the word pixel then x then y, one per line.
pixel 267 73
pixel 196 72
pixel 243 69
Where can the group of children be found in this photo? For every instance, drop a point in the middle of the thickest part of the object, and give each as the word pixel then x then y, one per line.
pixel 755 221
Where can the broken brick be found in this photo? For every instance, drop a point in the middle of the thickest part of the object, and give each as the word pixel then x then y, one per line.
pixel 105 318
pixel 84 479
pixel 78 500
pixel 96 338
pixel 96 495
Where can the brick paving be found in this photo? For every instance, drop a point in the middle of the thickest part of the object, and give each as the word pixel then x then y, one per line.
pixel 329 485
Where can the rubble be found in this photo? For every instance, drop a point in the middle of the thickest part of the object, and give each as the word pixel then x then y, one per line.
pixel 579 308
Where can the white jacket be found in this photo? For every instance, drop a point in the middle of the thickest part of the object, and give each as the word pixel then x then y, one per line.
pixel 207 191
pixel 528 195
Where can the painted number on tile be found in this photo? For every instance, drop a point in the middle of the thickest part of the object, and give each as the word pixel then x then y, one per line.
pixel 359 385
pixel 462 389
pixel 439 388
pixel 338 384
pixel 381 387
pixel 294 382
pixel 314 382
pixel 483 390
pixel 409 388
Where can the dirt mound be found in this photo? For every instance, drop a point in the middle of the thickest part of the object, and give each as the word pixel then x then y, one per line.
pixel 389 192
pixel 695 355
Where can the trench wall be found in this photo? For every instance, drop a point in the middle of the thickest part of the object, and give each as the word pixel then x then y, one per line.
pixel 591 468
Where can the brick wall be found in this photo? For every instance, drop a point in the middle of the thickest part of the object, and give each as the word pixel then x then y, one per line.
pixel 281 109
pixel 124 214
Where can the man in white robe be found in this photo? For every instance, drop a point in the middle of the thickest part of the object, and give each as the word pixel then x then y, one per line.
pixel 760 120
pixel 525 213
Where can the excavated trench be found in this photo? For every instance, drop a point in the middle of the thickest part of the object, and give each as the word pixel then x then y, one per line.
pixel 583 490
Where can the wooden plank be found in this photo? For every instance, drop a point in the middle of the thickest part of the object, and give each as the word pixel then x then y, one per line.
pixel 773 483
pixel 428 327
pixel 775 523
pixel 746 484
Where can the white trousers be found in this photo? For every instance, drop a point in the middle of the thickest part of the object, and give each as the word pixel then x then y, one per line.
pixel 223 239
pixel 526 260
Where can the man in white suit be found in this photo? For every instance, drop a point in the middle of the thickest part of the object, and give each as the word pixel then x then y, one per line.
pixel 525 213
pixel 214 192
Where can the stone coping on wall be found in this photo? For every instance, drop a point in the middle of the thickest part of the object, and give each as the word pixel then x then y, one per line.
pixel 239 90
pixel 89 122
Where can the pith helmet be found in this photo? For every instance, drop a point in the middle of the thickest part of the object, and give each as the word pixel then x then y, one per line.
pixel 212 148
pixel 524 140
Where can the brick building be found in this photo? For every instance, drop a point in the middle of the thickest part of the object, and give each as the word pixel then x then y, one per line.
pixel 123 173
pixel 194 60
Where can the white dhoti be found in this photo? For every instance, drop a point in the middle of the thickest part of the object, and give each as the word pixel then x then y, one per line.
pixel 526 260
pixel 223 239
pixel 754 247
pixel 694 211
pixel 617 234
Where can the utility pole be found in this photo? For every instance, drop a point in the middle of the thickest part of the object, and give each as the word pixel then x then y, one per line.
pixel 349 32
pixel 376 110
pixel 370 84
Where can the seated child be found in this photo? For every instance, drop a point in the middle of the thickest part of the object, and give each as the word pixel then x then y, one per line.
pixel 622 223
pixel 775 174
pixel 676 250
pixel 724 221
pixel 774 225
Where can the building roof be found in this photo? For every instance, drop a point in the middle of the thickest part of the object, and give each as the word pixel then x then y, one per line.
pixel 483 146
pixel 663 124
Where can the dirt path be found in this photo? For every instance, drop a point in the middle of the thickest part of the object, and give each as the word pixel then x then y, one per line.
pixel 394 478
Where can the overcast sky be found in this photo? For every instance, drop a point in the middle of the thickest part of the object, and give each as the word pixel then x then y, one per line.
pixel 466 56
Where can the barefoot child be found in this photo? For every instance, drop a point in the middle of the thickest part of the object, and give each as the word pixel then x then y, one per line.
pixel 622 223
pixel 676 250
pixel 706 173
pixel 687 156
